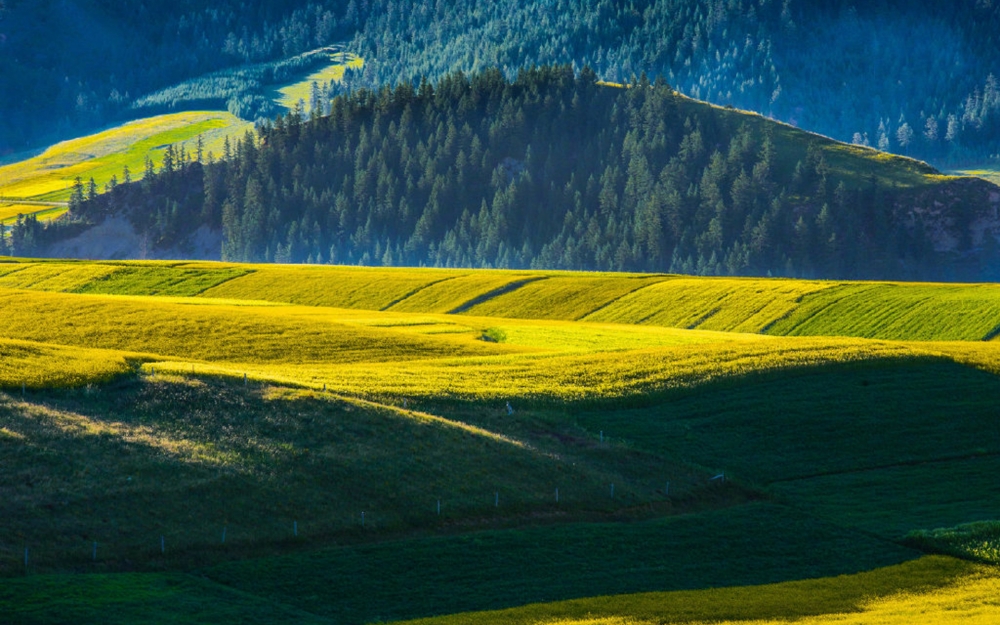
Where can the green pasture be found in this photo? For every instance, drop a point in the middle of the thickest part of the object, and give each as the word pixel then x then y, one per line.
pixel 125 463
pixel 877 310
pixel 161 280
pixel 634 458
pixel 906 312
pixel 978 541
pixel 436 575
pixel 751 544
pixel 917 584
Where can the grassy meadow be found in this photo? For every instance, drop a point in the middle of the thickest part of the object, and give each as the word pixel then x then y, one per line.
pixel 212 442
pixel 291 94
pixel 929 590
pixel 988 171
pixel 42 184
pixel 50 175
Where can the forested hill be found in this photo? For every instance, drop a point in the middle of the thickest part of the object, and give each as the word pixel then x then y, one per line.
pixel 554 170
pixel 915 77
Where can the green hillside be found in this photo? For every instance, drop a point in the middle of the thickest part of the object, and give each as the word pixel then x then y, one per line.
pixel 473 171
pixel 877 310
pixel 915 78
pixel 190 442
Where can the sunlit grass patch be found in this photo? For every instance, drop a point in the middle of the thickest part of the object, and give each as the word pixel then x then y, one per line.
pixel 218 332
pixel 562 296
pixel 291 94
pixel 736 305
pixel 10 212
pixel 978 541
pixel 39 365
pixel 50 175
pixel 54 276
pixel 339 287
pixel 601 376
pixel 930 590
pixel 990 173
pixel 460 292
pixel 161 281
pixel 913 312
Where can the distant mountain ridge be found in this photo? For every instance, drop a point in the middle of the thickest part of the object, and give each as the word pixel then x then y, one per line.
pixel 914 78
pixel 555 171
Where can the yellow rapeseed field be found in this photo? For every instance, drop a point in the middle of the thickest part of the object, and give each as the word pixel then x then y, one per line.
pixel 333 334
pixel 43 212
pixel 564 296
pixel 933 590
pixel 41 365
pixel 728 304
pixel 613 374
pixel 52 276
pixel 455 293
pixel 210 331
pixel 368 288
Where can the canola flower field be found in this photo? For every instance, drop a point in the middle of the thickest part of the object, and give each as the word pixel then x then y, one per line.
pixel 338 327
pixel 154 404
pixel 932 590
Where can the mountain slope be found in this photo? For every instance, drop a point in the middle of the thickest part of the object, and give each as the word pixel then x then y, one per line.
pixel 916 78
pixel 555 170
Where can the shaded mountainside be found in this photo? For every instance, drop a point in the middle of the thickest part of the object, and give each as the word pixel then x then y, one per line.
pixel 554 170
pixel 915 78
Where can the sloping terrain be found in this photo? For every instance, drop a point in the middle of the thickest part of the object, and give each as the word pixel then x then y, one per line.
pixel 179 447
pixel 472 172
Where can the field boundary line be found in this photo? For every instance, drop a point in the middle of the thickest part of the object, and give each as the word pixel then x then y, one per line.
pixel 705 317
pixel 992 334
pixel 417 290
pixel 20 267
pixel 229 279
pixel 841 287
pixel 485 297
pixel 584 316
pixel 893 465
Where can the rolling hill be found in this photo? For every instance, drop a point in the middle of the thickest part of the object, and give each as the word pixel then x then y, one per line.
pixel 910 77
pixel 473 171
pixel 289 443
